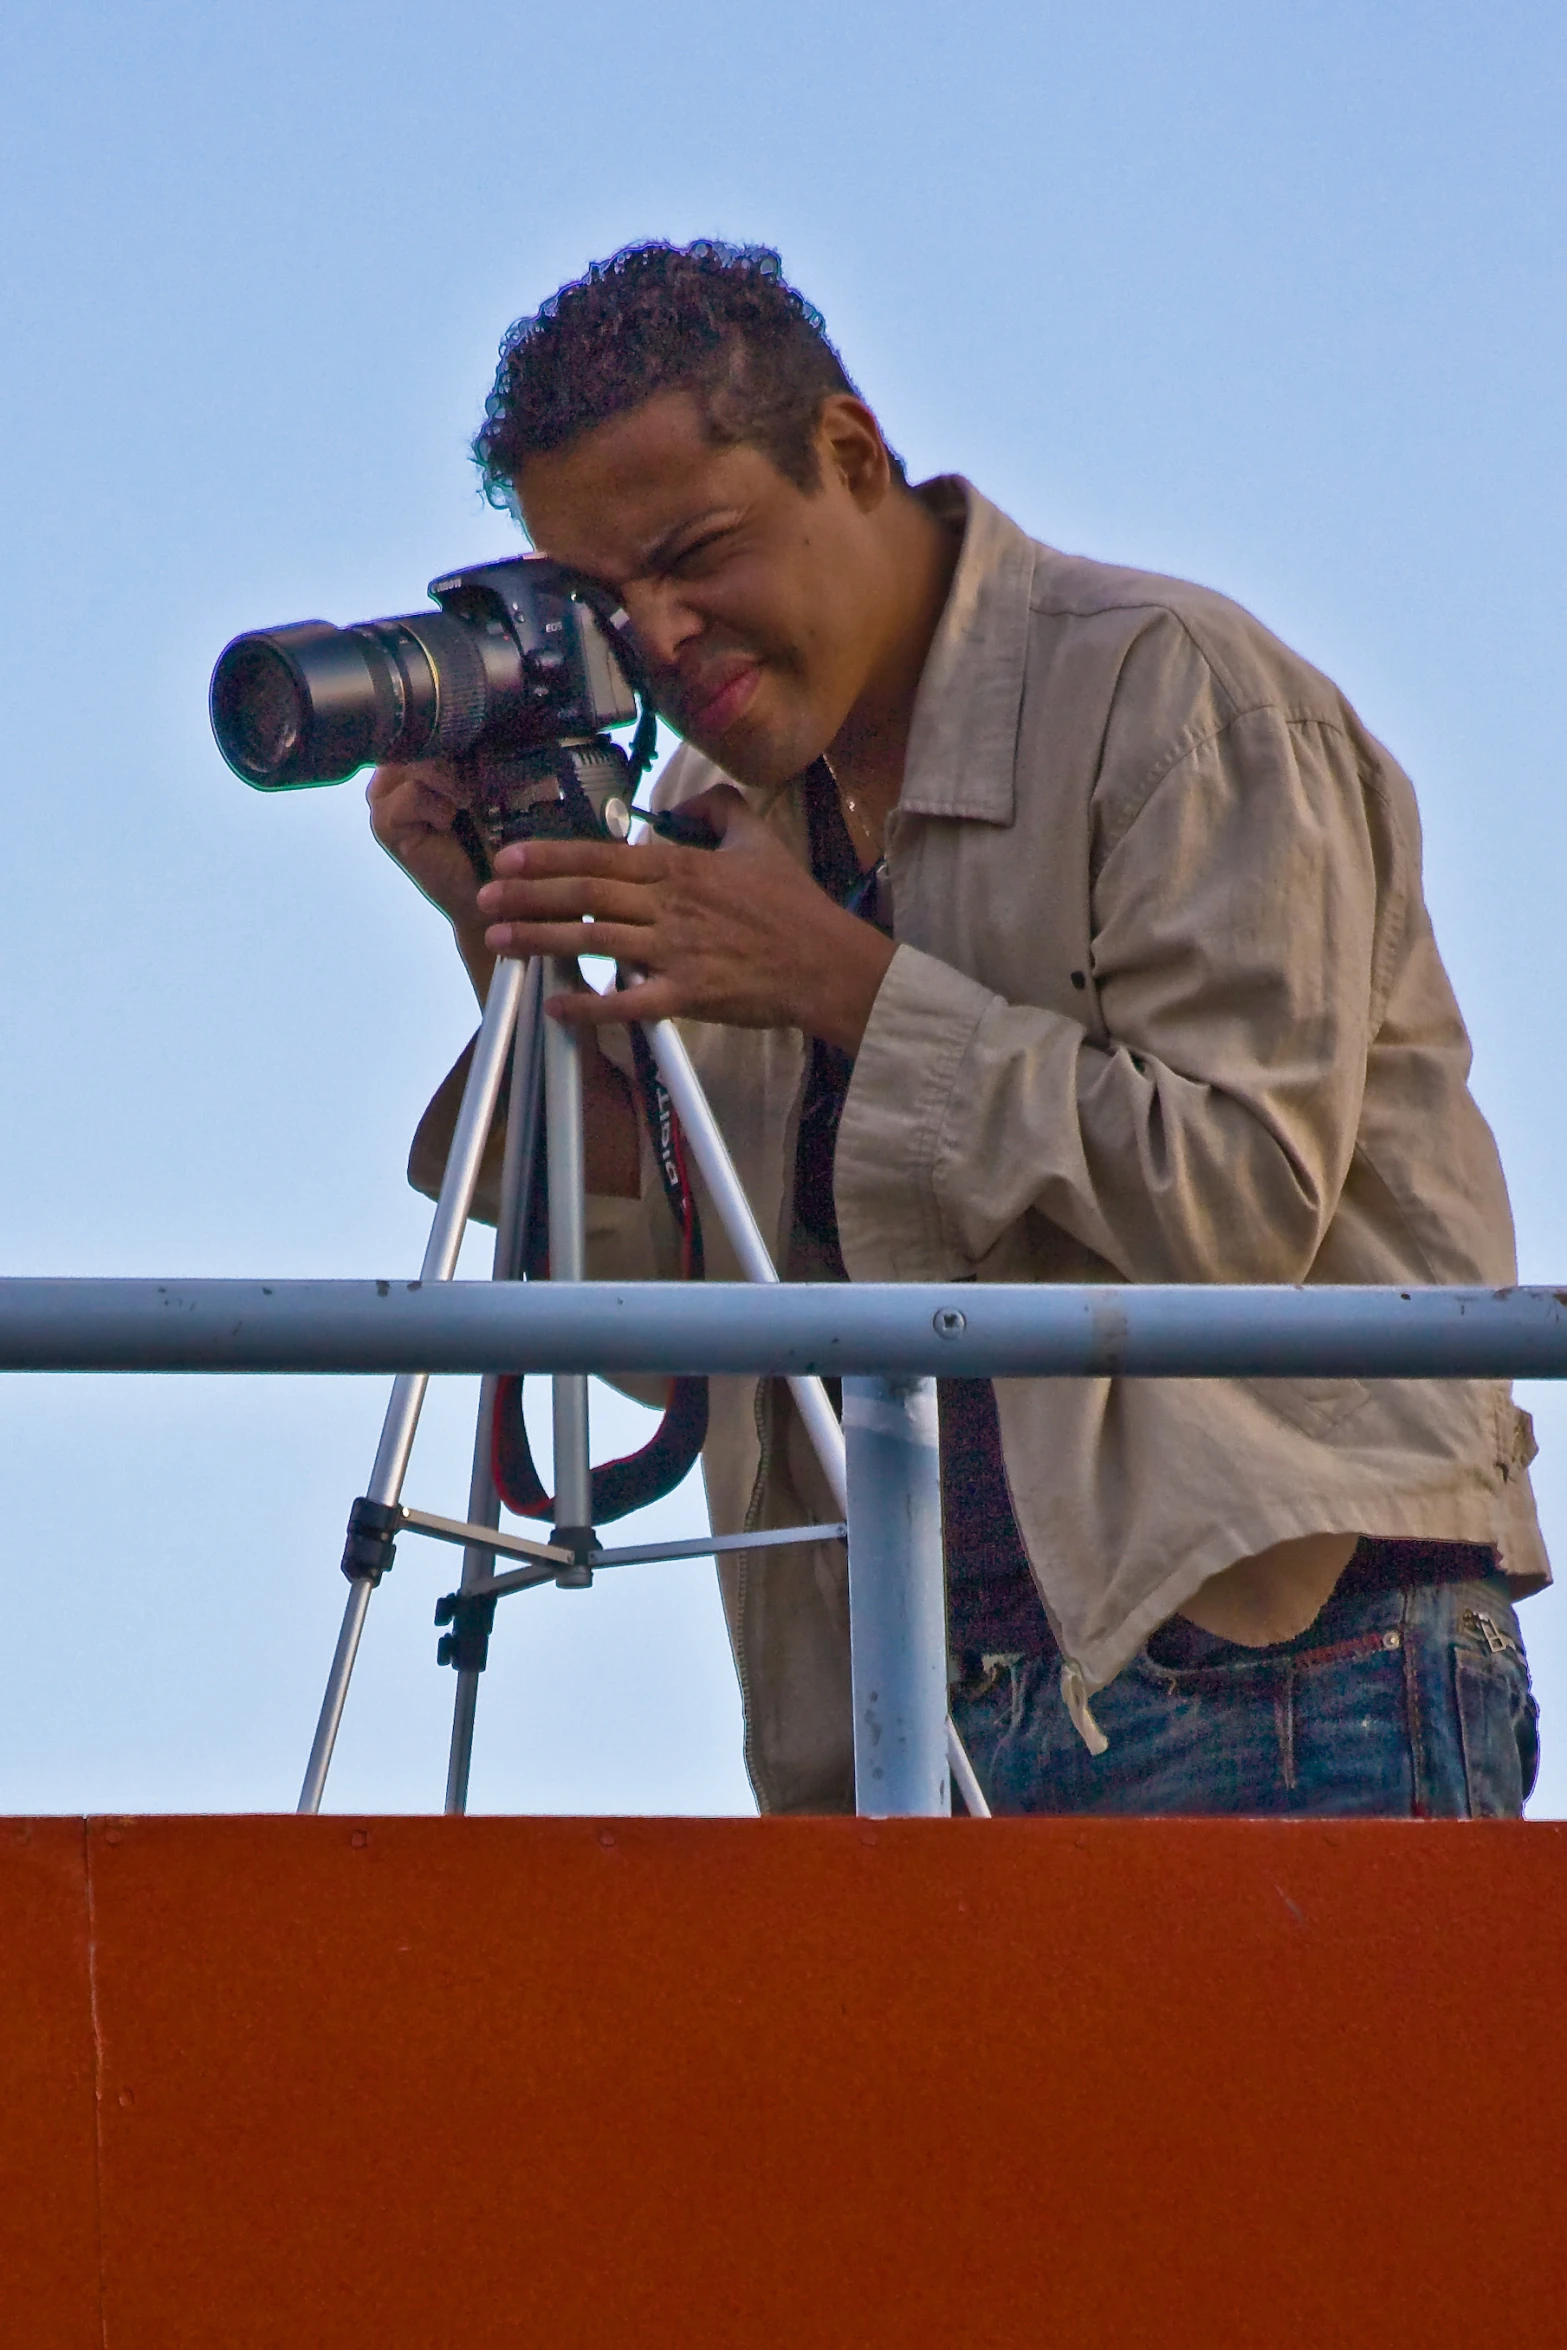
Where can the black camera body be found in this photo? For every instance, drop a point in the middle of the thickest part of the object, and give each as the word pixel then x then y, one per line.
pixel 514 678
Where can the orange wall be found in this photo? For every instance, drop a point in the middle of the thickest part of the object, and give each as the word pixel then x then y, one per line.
pixel 649 2082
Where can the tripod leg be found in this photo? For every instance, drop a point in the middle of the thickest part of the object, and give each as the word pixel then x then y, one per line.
pixel 484 1508
pixel 568 1262
pixel 745 1234
pixel 402 1413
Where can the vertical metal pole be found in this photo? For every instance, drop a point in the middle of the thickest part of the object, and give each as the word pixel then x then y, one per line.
pixel 511 1223
pixel 567 1162
pixel 811 1400
pixel 897 1598
pixel 402 1412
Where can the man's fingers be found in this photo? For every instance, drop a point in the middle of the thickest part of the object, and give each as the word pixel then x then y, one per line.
pixel 610 860
pixel 648 1000
pixel 570 894
pixel 622 942
pixel 432 780
pixel 410 809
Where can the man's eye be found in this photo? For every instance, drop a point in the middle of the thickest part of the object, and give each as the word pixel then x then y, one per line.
pixel 700 555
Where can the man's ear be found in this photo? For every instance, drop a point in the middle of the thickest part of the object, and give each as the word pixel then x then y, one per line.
pixel 849 444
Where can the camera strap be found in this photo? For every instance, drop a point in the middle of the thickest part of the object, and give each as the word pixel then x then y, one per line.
pixel 640 1477
pixel 669 1149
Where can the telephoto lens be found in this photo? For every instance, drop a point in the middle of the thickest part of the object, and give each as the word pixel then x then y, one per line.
pixel 520 657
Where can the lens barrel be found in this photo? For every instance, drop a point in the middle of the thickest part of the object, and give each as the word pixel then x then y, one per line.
pixel 511 661
pixel 311 703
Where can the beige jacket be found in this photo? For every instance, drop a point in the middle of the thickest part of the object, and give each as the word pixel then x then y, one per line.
pixel 1166 1007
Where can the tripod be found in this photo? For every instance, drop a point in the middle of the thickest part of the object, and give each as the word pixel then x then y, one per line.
pixel 546 1080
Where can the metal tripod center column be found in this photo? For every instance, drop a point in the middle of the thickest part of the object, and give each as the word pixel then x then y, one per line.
pixel 566 1159
pixel 524 1111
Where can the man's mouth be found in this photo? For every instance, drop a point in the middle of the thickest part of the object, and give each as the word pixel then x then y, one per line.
pixel 714 703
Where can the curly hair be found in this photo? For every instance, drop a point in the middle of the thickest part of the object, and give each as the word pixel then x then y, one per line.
pixel 717 320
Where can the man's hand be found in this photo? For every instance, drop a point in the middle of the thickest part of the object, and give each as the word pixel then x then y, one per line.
pixel 412 811
pixel 739 935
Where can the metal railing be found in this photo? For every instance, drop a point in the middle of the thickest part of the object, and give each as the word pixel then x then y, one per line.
pixel 888 1342
pixel 912 1329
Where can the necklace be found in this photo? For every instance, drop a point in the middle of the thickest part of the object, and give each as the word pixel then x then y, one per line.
pixel 854 815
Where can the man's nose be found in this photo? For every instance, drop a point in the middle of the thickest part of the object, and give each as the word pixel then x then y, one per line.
pixel 662 623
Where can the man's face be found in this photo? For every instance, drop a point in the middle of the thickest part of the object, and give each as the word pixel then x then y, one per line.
pixel 761 609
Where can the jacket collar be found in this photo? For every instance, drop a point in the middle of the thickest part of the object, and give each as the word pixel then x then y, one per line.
pixel 963 740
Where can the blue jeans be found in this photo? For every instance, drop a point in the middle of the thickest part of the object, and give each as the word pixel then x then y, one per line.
pixel 1397 1705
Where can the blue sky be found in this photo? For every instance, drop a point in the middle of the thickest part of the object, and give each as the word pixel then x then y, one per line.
pixel 1269 298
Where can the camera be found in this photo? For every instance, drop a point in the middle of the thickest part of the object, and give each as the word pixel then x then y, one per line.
pixel 515 678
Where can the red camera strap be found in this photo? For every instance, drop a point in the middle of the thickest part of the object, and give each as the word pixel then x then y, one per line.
pixel 656 1468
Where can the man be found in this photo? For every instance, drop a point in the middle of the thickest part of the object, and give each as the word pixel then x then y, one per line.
pixel 1065 927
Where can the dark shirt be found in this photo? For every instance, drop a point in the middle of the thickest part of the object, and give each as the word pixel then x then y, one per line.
pixel 993 1607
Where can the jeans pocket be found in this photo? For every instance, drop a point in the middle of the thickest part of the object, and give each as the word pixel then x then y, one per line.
pixel 1498 1724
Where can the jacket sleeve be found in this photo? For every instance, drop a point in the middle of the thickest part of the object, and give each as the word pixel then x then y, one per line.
pixel 1207 1133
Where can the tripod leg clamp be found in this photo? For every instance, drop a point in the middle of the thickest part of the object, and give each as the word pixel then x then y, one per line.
pixel 466 1646
pixel 581 1541
pixel 370 1548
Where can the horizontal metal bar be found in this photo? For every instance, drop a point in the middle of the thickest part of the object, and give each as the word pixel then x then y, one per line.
pixel 1009 1330
pixel 708 1545
pixel 497 1586
pixel 475 1537
pixel 704 1546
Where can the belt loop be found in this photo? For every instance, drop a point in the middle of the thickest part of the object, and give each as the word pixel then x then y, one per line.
pixel 1284 1716
pixel 1414 1713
